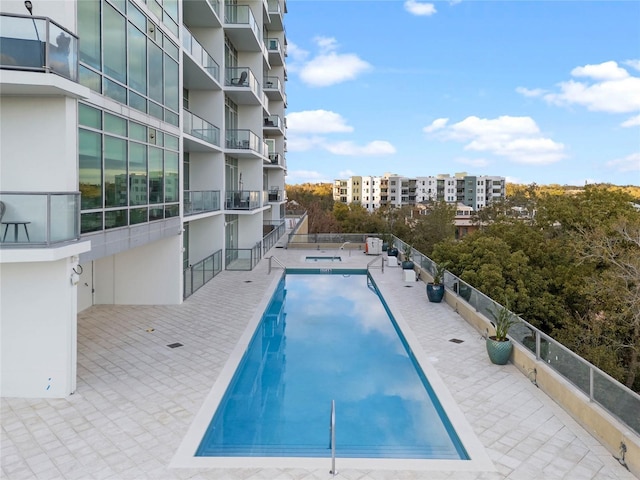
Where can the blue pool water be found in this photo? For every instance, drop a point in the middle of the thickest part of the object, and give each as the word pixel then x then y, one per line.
pixel 323 338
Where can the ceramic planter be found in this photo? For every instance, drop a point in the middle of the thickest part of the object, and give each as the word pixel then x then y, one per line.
pixel 435 293
pixel 499 352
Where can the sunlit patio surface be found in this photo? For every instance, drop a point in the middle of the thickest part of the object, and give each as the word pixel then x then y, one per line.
pixel 137 397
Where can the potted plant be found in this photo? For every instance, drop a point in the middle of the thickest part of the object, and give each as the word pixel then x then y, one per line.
pixel 435 289
pixel 407 264
pixel 499 346
pixel 392 251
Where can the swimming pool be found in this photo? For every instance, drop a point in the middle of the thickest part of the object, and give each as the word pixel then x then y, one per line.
pixel 315 259
pixel 323 338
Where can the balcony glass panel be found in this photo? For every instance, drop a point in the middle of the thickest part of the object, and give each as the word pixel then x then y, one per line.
pixel 200 128
pixel 274 7
pixel 241 77
pixel 39 219
pixel 241 15
pixel 273 44
pixel 39 44
pixel 243 139
pixel 616 398
pixel 242 199
pixel 272 121
pixel 271 82
pixel 198 52
pixel 201 201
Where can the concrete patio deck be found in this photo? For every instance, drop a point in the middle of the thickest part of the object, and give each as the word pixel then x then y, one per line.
pixel 136 397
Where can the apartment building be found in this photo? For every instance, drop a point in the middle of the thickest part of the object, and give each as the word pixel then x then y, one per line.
pixel 397 190
pixel 143 151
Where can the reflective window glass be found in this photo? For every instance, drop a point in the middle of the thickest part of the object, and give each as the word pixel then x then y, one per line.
pixel 89 116
pixel 137 59
pixel 137 174
pixel 171 83
pixel 90 169
pixel 138 215
pixel 137 131
pixel 90 222
pixel 115 218
pixel 90 79
pixel 156 177
pixel 155 73
pixel 115 172
pixel 115 125
pixel 89 32
pixel 114 44
pixel 171 173
pixel 115 91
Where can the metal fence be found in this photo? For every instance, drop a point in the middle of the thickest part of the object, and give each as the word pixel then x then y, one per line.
pixel 201 272
pixel 617 399
pixel 271 238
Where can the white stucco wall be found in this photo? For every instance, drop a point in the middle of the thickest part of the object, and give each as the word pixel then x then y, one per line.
pixel 38 154
pixel 38 338
pixel 147 275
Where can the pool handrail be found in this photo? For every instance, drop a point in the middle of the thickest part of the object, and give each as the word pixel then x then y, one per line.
pixel 332 440
pixel 375 260
pixel 277 261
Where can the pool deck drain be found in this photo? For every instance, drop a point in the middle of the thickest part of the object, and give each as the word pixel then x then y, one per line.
pixel 135 400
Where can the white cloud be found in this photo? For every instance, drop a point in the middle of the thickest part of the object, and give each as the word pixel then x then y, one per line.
pixel 633 63
pixel 419 8
pixel 603 71
pixel 306 176
pixel 607 88
pixel 346 174
pixel 377 147
pixel 516 138
pixel 298 143
pixel 317 121
pixel 329 67
pixel 296 56
pixel 473 162
pixel 630 163
pixel 631 122
pixel 437 124
pixel 530 92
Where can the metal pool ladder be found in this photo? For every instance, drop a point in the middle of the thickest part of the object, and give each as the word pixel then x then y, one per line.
pixel 332 440
pixel 277 261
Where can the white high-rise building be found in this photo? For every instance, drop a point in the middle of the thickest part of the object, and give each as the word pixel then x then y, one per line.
pixel 143 151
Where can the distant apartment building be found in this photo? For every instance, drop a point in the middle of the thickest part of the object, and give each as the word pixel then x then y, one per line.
pixel 143 151
pixel 475 191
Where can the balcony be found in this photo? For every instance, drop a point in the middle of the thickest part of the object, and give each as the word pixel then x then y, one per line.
pixel 202 14
pixel 201 201
pixel 274 89
pixel 242 28
pixel 275 195
pixel 273 122
pixel 201 71
pixel 242 86
pixel 38 44
pixel 275 15
pixel 199 128
pixel 244 141
pixel 274 158
pixel 276 52
pixel 242 199
pixel 36 220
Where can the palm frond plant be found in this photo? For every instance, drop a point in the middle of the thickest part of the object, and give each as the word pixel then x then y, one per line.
pixel 499 346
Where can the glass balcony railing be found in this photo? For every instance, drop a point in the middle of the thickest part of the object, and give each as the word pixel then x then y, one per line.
pixel 201 201
pixel 244 140
pixel 198 52
pixel 241 77
pixel 243 258
pixel 37 44
pixel 272 121
pixel 241 15
pixel 274 158
pixel 30 219
pixel 242 199
pixel 274 7
pixel 273 45
pixel 196 275
pixel 200 128
pixel 271 82
pixel 215 4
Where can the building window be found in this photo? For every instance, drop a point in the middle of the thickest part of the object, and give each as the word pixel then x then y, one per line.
pixel 124 168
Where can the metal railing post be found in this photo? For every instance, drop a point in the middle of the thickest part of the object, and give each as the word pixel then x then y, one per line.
pixel 332 427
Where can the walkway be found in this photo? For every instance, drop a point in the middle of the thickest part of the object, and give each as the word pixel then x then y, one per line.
pixel 136 396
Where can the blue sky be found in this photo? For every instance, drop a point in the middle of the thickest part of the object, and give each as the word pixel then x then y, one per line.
pixel 543 91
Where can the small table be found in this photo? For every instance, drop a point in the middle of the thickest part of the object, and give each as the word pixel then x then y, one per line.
pixel 15 224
